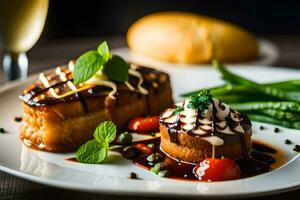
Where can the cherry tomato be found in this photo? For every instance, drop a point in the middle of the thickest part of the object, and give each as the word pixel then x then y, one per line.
pixel 143 148
pixel 212 169
pixel 148 124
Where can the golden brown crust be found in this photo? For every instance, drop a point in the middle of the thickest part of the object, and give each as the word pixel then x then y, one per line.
pixel 65 126
pixel 189 38
pixel 194 149
pixel 66 134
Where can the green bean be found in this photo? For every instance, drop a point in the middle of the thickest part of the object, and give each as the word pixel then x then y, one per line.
pixel 235 79
pixel 281 115
pixel 230 77
pixel 266 119
pixel 288 86
pixel 223 90
pixel 280 105
pixel 276 103
pixel 237 98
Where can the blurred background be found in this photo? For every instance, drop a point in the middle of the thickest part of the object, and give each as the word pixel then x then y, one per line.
pixel 72 27
pixel 88 18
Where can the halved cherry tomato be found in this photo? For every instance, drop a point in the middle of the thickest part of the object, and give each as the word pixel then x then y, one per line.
pixel 147 124
pixel 212 169
pixel 143 148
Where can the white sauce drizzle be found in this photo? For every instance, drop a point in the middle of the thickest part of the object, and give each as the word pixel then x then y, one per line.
pixel 63 77
pixel 137 74
pixel 214 140
pixel 110 84
pixel 204 125
pixel 131 88
pixel 46 83
pixel 97 79
pixel 52 92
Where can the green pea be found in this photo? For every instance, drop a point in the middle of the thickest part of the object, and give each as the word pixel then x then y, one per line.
pixel 158 167
pixel 154 157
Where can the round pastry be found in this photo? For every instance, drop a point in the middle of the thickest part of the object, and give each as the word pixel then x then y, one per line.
pixel 189 38
pixel 202 127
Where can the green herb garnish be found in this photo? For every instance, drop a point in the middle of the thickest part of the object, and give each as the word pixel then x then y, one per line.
pixel 89 63
pixel 95 151
pixel 200 101
pixel 178 110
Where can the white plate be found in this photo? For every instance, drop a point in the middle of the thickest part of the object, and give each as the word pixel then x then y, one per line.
pixel 52 168
pixel 268 55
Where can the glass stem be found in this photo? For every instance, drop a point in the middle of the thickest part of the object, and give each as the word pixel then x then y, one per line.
pixel 15 66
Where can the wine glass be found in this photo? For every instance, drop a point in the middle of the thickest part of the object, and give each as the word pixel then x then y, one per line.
pixel 21 24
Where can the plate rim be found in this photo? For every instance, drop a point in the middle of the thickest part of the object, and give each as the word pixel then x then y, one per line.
pixel 78 187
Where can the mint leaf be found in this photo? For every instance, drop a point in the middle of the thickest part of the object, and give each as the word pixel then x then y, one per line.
pixel 92 152
pixel 105 133
pixel 86 66
pixel 103 50
pixel 116 69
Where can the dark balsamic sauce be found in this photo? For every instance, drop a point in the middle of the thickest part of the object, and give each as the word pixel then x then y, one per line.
pixel 258 162
pixel 83 102
pixel 36 90
pixel 263 148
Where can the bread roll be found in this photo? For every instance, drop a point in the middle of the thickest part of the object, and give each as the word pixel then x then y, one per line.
pixel 189 38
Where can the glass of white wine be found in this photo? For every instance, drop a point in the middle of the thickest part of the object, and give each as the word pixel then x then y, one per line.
pixel 21 24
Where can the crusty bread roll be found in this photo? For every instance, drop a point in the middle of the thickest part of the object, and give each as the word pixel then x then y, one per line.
pixel 189 38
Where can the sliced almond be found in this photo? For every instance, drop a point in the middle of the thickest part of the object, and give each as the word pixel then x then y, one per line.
pixel 239 129
pixel 200 132
pixel 204 121
pixel 235 116
pixel 171 120
pixel 222 124
pixel 167 113
pixel 227 130
pixel 188 127
pixel 206 127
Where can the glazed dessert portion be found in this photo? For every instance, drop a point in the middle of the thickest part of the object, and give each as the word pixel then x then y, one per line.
pixel 60 115
pixel 202 127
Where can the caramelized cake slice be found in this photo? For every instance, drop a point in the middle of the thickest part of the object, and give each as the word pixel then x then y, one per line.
pixel 60 116
pixel 191 135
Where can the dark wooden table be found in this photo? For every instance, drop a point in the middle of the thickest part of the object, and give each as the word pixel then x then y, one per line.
pixel 55 52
